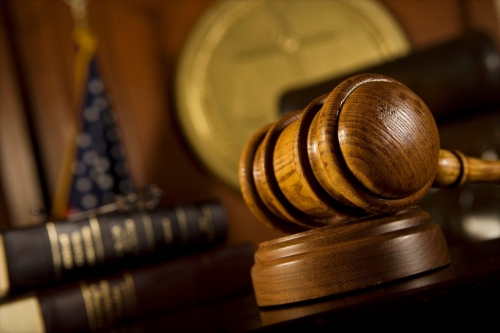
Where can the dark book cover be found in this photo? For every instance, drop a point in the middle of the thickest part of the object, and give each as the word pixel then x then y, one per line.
pixel 125 297
pixel 58 251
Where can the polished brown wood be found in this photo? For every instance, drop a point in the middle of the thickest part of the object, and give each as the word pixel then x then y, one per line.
pixel 19 182
pixel 456 169
pixel 345 257
pixel 370 147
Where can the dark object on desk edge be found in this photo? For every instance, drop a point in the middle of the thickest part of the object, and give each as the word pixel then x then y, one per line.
pixel 454 78
pixel 110 301
pixel 464 292
pixel 67 250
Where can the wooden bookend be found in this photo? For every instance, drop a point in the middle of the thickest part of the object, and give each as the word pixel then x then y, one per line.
pixel 348 166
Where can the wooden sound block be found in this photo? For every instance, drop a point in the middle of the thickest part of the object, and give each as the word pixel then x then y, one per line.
pixel 349 256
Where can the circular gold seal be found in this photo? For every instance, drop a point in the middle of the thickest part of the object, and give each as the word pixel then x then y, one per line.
pixel 243 55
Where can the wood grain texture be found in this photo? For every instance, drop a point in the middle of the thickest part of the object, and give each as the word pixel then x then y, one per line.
pixel 456 169
pixel 295 176
pixel 346 257
pixel 264 174
pixel 370 147
pixel 18 170
pixel 367 140
pixel 249 190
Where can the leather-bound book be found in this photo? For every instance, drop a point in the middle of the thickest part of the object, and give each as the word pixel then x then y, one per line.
pixel 455 78
pixel 144 292
pixel 55 251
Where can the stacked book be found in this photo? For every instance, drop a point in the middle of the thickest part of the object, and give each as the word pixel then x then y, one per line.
pixel 105 271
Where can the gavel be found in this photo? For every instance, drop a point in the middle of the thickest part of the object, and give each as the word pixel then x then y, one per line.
pixel 343 176
pixel 369 147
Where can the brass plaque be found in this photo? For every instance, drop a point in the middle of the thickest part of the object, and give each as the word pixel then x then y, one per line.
pixel 243 55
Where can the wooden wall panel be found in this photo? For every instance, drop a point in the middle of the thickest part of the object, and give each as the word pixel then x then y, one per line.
pixel 139 45
pixel 43 35
pixel 427 22
pixel 19 180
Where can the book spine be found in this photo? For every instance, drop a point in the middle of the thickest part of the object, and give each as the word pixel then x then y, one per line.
pixel 147 291
pixel 51 252
pixel 428 72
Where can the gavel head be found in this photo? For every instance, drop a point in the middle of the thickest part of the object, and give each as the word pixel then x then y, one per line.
pixel 369 147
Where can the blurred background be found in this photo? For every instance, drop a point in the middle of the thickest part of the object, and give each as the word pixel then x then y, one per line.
pixel 141 44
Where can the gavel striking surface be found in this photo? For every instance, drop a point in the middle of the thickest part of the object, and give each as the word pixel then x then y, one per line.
pixel 345 257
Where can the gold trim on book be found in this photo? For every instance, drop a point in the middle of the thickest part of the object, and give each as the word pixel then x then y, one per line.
pixel 206 222
pixel 4 270
pixel 168 234
pixel 96 234
pixel 148 228
pixel 131 299
pixel 89 305
pixel 182 220
pixel 56 251
pixel 23 315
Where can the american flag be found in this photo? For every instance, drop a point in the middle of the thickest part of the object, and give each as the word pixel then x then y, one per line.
pixel 100 171
pixel 94 171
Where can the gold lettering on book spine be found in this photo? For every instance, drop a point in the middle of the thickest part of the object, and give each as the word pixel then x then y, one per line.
pixel 117 235
pixel 78 252
pixel 54 246
pixel 183 226
pixel 96 235
pixel 72 250
pixel 88 244
pixel 116 294
pixel 108 301
pixel 148 228
pixel 206 223
pixel 129 292
pixel 96 297
pixel 131 236
pixel 168 233
pixel 80 246
pixel 125 239
pixel 66 253
pixel 89 307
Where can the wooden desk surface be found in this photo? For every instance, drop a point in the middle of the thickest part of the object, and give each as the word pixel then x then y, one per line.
pixel 464 292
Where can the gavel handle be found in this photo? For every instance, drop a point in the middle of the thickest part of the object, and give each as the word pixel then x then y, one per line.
pixel 456 169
